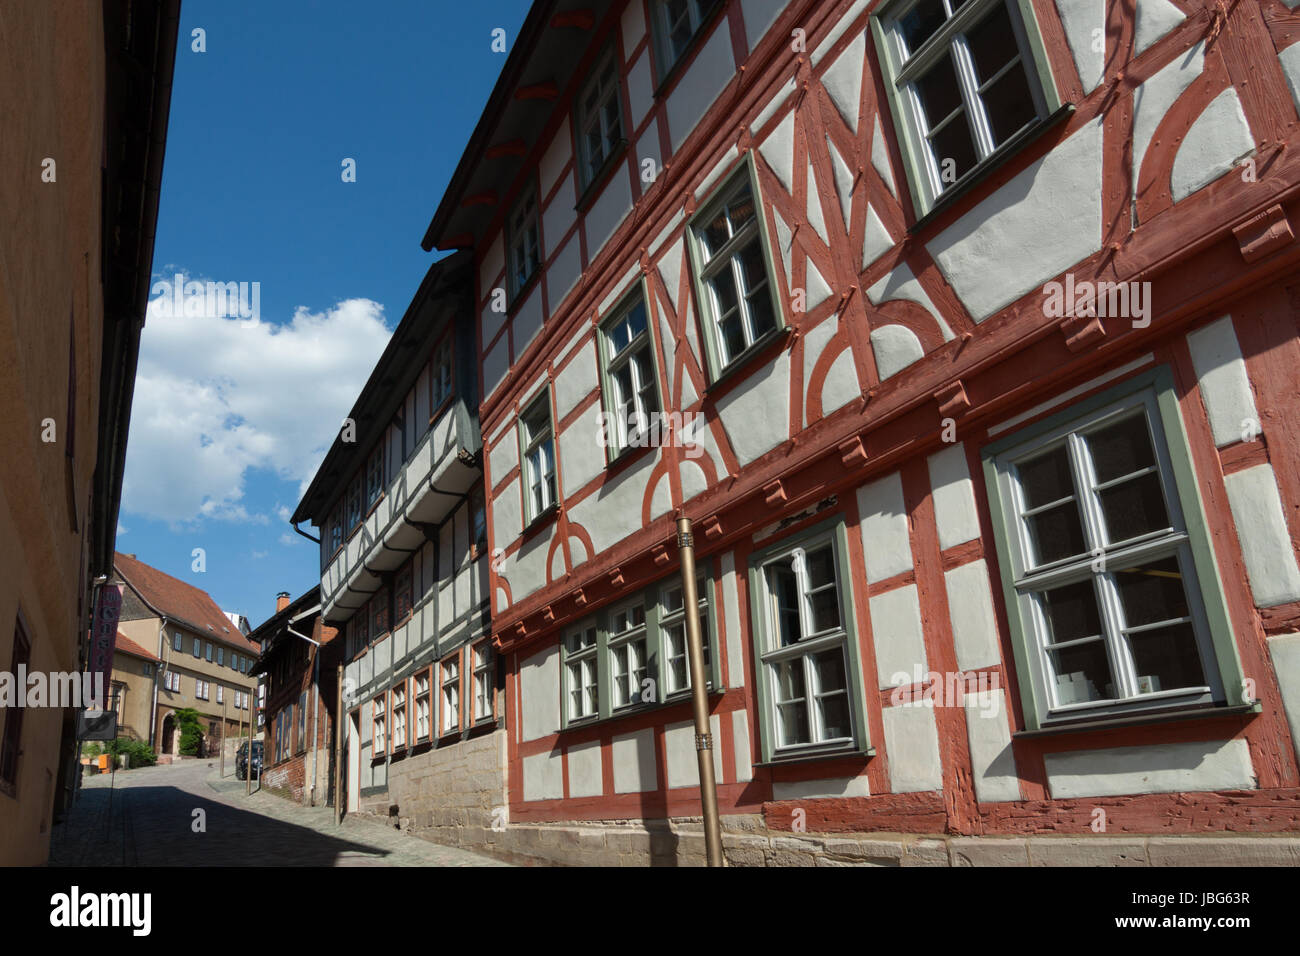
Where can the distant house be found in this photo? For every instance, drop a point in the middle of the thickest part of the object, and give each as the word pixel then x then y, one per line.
pixel 205 662
pixel 135 672
pixel 299 662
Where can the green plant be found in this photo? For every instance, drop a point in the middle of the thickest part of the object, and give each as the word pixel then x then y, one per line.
pixel 91 749
pixel 139 754
pixel 187 719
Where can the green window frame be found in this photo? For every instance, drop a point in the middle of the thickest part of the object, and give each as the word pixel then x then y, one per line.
pixel 629 373
pixel 739 311
pixel 675 25
pixel 538 471
pixel 605 658
pixel 1059 625
pixel 599 126
pixel 956 79
pixel 807 662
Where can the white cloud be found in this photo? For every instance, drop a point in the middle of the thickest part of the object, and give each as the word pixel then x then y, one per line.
pixel 288 539
pixel 215 397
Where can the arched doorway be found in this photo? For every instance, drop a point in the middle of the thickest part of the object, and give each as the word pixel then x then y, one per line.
pixel 165 738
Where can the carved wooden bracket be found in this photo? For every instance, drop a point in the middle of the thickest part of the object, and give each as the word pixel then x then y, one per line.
pixel 712 527
pixel 952 400
pixel 548 614
pixel 1262 235
pixel 1081 331
pixel 580 597
pixel 852 452
pixel 774 493
pixel 661 555
pixel 616 577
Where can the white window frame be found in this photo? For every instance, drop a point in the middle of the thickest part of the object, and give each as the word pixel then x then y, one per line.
pixel 697 12
pixel 483 681
pixel 582 673
pixel 903 67
pixel 537 452
pixel 644 400
pixel 669 620
pixel 625 661
pixel 449 694
pixel 379 724
pixel 1101 556
pixel 523 243
pixel 423 708
pixel 811 644
pixel 397 708
pixel 611 135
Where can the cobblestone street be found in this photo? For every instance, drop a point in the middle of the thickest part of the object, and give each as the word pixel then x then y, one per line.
pixel 146 817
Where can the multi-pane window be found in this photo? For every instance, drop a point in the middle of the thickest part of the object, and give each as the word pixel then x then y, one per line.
pixel 379 725
pixel 964 81
pixel 538 445
pixel 628 666
pixel 478 520
pixel 172 681
pixel 600 120
pixel 207 650
pixel 375 475
pixel 221 657
pixel 11 743
pixel 221 694
pixel 633 394
pixel 676 22
pixel 379 614
pixel 201 689
pixel 198 647
pixel 483 681
pixel 176 641
pixel 440 375
pixel 335 532
pixel 1103 571
pixel 672 627
pixel 804 655
pixel 399 716
pixel 402 598
pixel 525 244
pixel 422 706
pixel 302 721
pixel 354 502
pixel 450 695
pixel 581 678
pixel 738 295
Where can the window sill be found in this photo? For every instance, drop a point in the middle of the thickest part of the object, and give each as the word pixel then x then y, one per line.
pixel 679 65
pixel 592 190
pixel 1197 712
pixel 625 456
pixel 539 522
pixel 765 348
pixel 818 756
pixel 998 158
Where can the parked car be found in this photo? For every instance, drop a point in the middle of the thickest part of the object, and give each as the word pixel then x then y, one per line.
pixel 241 760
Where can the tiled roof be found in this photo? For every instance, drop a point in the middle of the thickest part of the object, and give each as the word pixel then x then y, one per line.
pixel 181 601
pixel 128 646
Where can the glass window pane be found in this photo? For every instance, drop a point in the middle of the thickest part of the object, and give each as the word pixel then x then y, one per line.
pixel 954 143
pixel 821 567
pixel 1166 658
pixel 1120 449
pixel 1152 593
pixel 1081 673
pixel 1070 612
pixel 1134 507
pixel 1046 478
pixel 937 91
pixel 920 23
pixel 1009 105
pixel 829 666
pixel 1056 533
pixel 785 591
pixel 992 43
pixel 834 713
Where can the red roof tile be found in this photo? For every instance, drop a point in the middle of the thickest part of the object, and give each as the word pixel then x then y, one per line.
pixel 128 646
pixel 181 601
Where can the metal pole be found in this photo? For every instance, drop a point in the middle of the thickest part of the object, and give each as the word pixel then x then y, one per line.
pixel 222 771
pixel 699 695
pixel 248 771
pixel 338 747
pixel 315 718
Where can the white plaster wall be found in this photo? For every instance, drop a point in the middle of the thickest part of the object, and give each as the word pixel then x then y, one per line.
pixel 896 633
pixel 993 763
pixel 1081 18
pixel 581 455
pixel 543 777
pixel 1290 60
pixel 1265 541
pixel 1152 100
pixel 1285 652
pixel 886 543
pixel 539 694
pixel 495 366
pixel 756 413
pixel 895 348
pixel 504 456
pixel 585 770
pixel 700 85
pixel 558 216
pixel 640 89
pixel 1155 18
pixel 614 512
pixel 1224 385
pixel 843 80
pixel 740 746
pixel 1156 768
pixel 912 743
pixel 557 154
pixel 731 617
pixel 525 570
pixel 683 764
pixel 841 25
pixel 634 761
pixel 563 274
pixel 759 15
pixel 815 789
pixel 970 607
pixel 1217 139
pixel 506 520
pixel 954 496
pixel 578 379
pixel 778 150
pixel 609 209
pixel 493 262
pixel 995 253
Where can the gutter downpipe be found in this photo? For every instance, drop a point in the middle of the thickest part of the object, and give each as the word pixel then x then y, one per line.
pixel 315 709
pixel 699 695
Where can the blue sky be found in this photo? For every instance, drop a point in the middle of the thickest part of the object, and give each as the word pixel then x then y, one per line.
pixel 231 417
